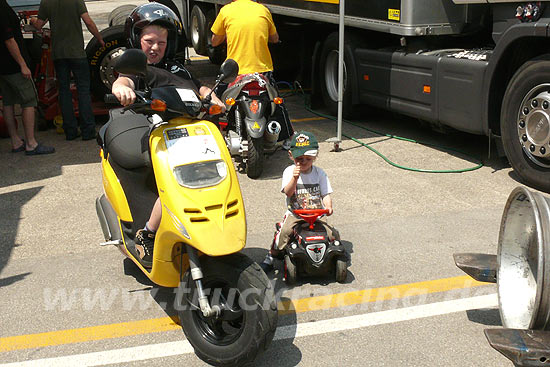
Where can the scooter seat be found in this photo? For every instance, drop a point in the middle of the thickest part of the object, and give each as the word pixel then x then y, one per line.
pixel 125 137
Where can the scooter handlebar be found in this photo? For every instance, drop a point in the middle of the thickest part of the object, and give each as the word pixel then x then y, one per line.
pixel 111 99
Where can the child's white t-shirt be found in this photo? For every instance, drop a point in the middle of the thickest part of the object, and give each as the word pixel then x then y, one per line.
pixel 310 189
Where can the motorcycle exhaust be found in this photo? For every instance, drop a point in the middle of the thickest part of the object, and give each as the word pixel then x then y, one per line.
pixel 523 266
pixel 271 134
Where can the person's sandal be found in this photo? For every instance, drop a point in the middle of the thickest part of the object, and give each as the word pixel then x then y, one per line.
pixel 20 149
pixel 40 149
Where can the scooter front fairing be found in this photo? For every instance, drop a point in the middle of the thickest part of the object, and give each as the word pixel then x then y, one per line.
pixel 201 199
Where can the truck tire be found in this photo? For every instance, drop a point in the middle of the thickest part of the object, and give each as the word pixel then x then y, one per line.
pixel 102 59
pixel 199 31
pixel 328 75
pixel 119 14
pixel 525 123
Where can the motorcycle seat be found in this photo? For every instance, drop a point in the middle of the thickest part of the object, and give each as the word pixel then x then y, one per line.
pixel 125 137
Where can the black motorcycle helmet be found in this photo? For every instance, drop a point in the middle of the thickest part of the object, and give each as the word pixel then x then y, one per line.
pixel 154 13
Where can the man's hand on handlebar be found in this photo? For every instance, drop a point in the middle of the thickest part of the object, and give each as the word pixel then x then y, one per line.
pixel 124 94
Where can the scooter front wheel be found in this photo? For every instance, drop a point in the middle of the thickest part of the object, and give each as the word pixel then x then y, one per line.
pixel 248 319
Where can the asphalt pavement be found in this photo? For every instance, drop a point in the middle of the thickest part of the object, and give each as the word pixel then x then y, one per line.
pixel 400 226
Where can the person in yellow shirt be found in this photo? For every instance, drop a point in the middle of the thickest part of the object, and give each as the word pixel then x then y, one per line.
pixel 247 26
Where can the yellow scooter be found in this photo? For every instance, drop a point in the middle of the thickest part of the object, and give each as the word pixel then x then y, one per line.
pixel 160 146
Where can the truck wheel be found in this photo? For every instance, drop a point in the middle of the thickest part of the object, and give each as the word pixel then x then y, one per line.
pixel 218 54
pixel 525 123
pixel 102 59
pixel 119 14
pixel 255 159
pixel 328 72
pixel 199 32
pixel 249 317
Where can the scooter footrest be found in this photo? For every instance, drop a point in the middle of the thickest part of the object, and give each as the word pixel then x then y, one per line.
pixel 481 267
pixel 525 348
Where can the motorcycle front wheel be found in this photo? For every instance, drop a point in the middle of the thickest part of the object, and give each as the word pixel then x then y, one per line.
pixel 248 321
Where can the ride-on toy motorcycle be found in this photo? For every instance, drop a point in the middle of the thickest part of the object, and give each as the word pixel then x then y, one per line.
pixel 310 251
pixel 250 130
pixel 226 304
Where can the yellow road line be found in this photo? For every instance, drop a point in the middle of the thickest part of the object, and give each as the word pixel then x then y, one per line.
pixel 293 306
pixel 376 294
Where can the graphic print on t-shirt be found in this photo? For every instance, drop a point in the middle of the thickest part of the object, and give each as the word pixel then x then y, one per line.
pixel 307 197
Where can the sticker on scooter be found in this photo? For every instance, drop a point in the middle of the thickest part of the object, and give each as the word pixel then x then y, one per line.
pixel 187 95
pixel 191 149
pixel 316 251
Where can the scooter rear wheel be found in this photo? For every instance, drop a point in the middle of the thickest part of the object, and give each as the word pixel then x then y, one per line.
pixel 248 321
pixel 255 161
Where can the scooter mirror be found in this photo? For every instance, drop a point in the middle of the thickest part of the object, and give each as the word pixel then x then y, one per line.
pixel 132 62
pixel 228 70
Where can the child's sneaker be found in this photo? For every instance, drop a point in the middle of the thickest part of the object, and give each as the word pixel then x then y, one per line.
pixel 144 242
pixel 267 264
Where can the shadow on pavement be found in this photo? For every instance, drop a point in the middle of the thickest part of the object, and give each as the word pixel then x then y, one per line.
pixel 11 210
pixel 489 317
pixel 23 168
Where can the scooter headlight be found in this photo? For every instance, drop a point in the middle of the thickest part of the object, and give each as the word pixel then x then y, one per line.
pixel 201 174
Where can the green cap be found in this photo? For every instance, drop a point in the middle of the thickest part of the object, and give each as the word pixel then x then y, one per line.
pixel 304 143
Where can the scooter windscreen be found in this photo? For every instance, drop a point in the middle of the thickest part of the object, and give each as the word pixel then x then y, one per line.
pixel 202 174
pixel 194 156
pixel 179 101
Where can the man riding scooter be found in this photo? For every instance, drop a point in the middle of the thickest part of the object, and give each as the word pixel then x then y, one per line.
pixel 155 29
pixel 248 27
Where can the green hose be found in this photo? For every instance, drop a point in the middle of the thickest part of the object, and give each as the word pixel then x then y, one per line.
pixel 307 106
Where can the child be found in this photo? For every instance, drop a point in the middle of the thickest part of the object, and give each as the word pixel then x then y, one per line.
pixel 306 187
pixel 154 28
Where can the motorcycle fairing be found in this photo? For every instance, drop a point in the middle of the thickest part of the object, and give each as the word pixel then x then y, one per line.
pixel 114 191
pixel 213 216
pixel 234 89
pixel 255 122
pixel 141 193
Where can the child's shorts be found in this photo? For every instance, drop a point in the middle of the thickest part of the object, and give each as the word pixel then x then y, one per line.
pixel 16 89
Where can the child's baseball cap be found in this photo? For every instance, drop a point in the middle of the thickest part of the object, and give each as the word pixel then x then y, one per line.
pixel 304 143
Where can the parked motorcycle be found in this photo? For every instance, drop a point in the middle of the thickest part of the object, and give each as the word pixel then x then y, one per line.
pixel 311 252
pixel 250 131
pixel 160 146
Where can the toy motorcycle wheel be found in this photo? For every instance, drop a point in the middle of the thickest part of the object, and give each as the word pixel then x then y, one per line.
pixel 249 315
pixel 341 270
pixel 290 271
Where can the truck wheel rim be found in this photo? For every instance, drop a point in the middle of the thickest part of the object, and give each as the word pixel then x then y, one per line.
pixel 331 75
pixel 107 71
pixel 523 261
pixel 533 125
pixel 195 30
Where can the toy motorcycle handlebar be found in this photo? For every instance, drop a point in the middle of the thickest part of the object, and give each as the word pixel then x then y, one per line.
pixel 310 215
